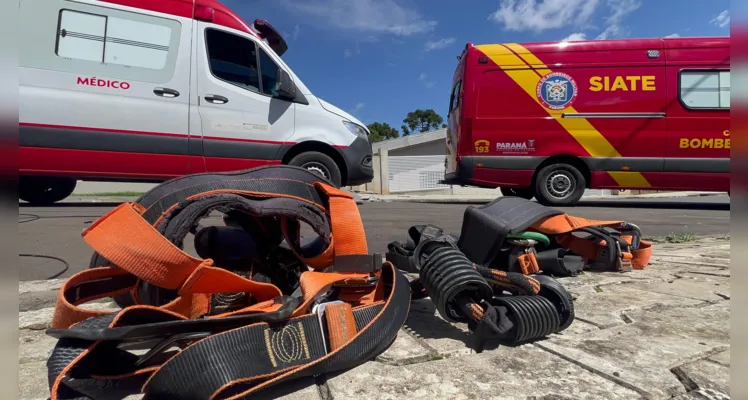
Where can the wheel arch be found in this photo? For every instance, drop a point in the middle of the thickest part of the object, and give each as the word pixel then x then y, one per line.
pixel 574 161
pixel 321 147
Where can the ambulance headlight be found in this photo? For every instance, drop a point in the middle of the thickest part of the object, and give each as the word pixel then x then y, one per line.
pixel 356 129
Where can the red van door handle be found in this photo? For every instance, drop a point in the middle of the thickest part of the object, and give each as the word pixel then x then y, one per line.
pixel 165 92
pixel 216 99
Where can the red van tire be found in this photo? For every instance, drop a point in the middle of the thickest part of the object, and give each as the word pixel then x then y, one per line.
pixel 525 193
pixel 559 185
pixel 319 163
pixel 42 190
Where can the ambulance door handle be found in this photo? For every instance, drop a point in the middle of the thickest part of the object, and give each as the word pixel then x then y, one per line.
pixel 165 92
pixel 216 99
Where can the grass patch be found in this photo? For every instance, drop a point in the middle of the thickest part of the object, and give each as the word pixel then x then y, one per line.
pixel 673 238
pixel 111 194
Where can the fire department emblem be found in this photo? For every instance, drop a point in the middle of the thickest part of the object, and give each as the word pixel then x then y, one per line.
pixel 556 90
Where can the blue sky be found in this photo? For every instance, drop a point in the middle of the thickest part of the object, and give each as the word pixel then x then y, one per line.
pixel 380 59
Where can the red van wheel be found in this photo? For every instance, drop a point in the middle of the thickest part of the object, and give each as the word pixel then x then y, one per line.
pixel 559 185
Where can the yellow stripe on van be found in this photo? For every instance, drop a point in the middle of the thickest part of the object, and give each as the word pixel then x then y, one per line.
pixel 580 129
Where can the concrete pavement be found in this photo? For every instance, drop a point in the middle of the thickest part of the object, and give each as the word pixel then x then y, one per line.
pixel 658 333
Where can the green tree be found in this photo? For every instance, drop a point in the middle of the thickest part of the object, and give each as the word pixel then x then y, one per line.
pixel 421 121
pixel 381 131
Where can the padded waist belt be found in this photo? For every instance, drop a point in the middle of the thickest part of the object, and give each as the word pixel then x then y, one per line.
pixel 234 320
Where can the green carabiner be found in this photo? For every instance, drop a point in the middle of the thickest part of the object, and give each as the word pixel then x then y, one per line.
pixel 531 235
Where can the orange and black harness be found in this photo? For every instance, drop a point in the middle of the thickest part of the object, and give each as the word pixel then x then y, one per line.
pixel 261 305
pixel 247 314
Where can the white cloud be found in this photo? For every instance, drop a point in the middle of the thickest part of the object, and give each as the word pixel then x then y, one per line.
pixel 575 36
pixel 673 35
pixel 439 44
pixel 619 11
pixel 366 16
pixel 359 107
pixel 295 33
pixel 540 15
pixel 425 79
pixel 722 20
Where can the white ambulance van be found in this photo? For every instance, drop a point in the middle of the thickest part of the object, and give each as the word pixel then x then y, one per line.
pixel 148 90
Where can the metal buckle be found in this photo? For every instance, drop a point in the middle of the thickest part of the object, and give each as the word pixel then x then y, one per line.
pixel 319 309
pixel 370 282
pixel 167 342
pixel 621 264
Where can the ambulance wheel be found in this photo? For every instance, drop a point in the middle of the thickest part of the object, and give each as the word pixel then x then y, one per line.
pixel 42 190
pixel 319 163
pixel 525 193
pixel 559 185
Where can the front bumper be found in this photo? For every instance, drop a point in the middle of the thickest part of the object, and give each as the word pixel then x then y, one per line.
pixel 358 162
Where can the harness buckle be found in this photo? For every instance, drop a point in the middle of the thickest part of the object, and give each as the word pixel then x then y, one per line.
pixel 319 309
pixel 357 263
pixel 621 263
pixel 167 342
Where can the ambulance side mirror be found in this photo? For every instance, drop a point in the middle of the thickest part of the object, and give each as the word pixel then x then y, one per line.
pixel 286 87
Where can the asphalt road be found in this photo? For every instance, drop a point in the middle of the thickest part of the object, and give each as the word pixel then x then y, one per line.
pixel 55 231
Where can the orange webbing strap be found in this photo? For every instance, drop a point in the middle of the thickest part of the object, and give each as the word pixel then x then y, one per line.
pixel 589 250
pixel 640 256
pixel 347 227
pixel 341 325
pixel 564 223
pixel 69 296
pixel 313 284
pixel 123 237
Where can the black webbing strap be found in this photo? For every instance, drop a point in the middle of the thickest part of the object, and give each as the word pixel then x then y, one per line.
pixel 269 172
pixel 485 228
pixel 297 189
pixel 239 361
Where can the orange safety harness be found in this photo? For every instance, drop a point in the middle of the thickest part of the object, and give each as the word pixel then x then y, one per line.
pixel 235 330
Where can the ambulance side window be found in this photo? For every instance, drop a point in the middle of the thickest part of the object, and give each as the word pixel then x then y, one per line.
pixel 233 59
pixel 112 40
pixel 705 89
pixel 454 100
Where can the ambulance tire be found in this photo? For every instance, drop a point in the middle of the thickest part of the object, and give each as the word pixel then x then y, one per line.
pixel 320 164
pixel 42 190
pixel 526 193
pixel 567 185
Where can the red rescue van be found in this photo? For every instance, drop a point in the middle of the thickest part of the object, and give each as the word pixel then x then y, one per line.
pixel 549 120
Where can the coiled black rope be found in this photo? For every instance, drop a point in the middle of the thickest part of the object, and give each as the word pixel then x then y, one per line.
pixel 465 292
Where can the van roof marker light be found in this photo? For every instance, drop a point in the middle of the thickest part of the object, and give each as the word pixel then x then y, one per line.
pixel 204 13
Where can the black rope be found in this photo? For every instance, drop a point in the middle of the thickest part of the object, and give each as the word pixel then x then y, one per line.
pixel 66 266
